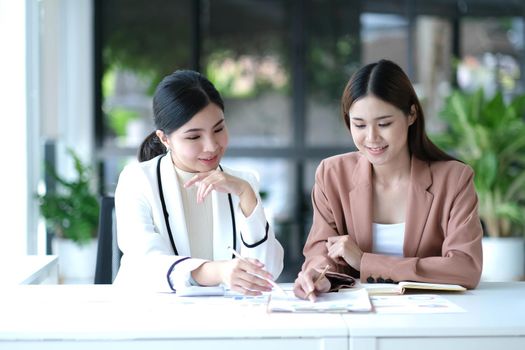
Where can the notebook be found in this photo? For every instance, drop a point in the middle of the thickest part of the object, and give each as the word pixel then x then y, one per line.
pixel 402 287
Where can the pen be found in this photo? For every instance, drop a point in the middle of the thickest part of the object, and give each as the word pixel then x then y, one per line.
pixel 278 287
pixel 321 275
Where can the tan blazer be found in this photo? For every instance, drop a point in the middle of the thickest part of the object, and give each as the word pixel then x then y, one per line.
pixel 443 232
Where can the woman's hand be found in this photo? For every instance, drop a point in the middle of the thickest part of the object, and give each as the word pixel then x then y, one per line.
pixel 246 276
pixel 220 181
pixel 342 249
pixel 308 284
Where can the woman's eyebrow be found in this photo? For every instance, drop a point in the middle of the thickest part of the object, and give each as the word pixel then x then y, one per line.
pixel 200 129
pixel 377 118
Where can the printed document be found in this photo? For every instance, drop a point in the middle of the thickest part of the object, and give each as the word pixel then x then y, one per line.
pixel 347 300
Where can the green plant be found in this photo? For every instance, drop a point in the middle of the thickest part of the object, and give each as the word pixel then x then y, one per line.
pixel 489 135
pixel 119 119
pixel 72 211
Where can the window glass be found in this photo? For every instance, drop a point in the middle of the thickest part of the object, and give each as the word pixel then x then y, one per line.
pixel 277 178
pixel 491 54
pixel 384 36
pixel 142 41
pixel 433 66
pixel 250 68
pixel 276 183
pixel 332 55
pixel 111 168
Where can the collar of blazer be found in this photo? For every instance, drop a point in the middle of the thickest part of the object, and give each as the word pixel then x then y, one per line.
pixel 418 204
pixel 223 236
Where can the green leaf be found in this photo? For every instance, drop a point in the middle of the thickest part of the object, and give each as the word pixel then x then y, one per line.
pixel 72 211
pixel 489 135
pixel 488 166
pixel 512 211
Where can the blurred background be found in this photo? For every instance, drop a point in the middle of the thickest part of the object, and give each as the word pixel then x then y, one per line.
pixel 280 65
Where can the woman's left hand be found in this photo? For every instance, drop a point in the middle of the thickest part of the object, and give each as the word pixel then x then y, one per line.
pixel 220 181
pixel 343 249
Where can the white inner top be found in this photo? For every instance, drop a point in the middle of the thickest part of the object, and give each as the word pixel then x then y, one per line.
pixel 199 218
pixel 388 238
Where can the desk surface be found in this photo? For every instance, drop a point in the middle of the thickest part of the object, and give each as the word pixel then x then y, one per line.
pixel 107 313
pixel 493 308
pixel 81 316
pixel 28 269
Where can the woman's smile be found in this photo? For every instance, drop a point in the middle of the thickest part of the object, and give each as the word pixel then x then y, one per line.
pixel 210 160
pixel 376 150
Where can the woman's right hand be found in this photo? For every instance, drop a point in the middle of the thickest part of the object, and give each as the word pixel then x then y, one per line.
pixel 306 288
pixel 246 276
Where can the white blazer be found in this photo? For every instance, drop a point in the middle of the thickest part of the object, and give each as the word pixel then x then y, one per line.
pixel 149 260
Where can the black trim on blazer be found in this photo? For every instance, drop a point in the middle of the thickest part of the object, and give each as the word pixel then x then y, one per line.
pixel 257 243
pixel 171 269
pixel 232 213
pixel 166 215
pixel 164 210
pixel 233 224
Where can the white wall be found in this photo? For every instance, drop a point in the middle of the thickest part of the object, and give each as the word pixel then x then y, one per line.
pixel 45 93
pixel 13 133
pixel 66 81
pixel 67 77
pixel 76 69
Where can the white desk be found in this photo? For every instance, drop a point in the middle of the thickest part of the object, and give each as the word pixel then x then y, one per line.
pixel 29 269
pixel 495 319
pixel 91 316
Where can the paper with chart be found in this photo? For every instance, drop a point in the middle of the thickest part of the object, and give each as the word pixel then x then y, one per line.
pixel 349 300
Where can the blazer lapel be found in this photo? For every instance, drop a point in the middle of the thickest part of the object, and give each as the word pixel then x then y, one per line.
pixel 418 206
pixel 360 197
pixel 222 226
pixel 173 199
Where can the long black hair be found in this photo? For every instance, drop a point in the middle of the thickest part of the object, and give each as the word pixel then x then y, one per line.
pixel 178 97
pixel 387 81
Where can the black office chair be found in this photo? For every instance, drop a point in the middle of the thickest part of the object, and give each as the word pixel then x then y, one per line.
pixel 108 254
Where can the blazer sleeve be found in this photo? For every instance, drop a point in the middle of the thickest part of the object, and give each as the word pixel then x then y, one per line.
pixel 148 259
pixel 257 236
pixel 461 255
pixel 323 226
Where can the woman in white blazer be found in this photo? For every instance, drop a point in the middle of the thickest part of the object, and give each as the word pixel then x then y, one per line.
pixel 179 212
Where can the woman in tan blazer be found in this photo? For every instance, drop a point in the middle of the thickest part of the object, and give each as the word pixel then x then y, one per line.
pixel 397 209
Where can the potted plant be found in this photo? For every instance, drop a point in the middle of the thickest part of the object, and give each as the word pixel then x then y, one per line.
pixel 72 213
pixel 489 135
